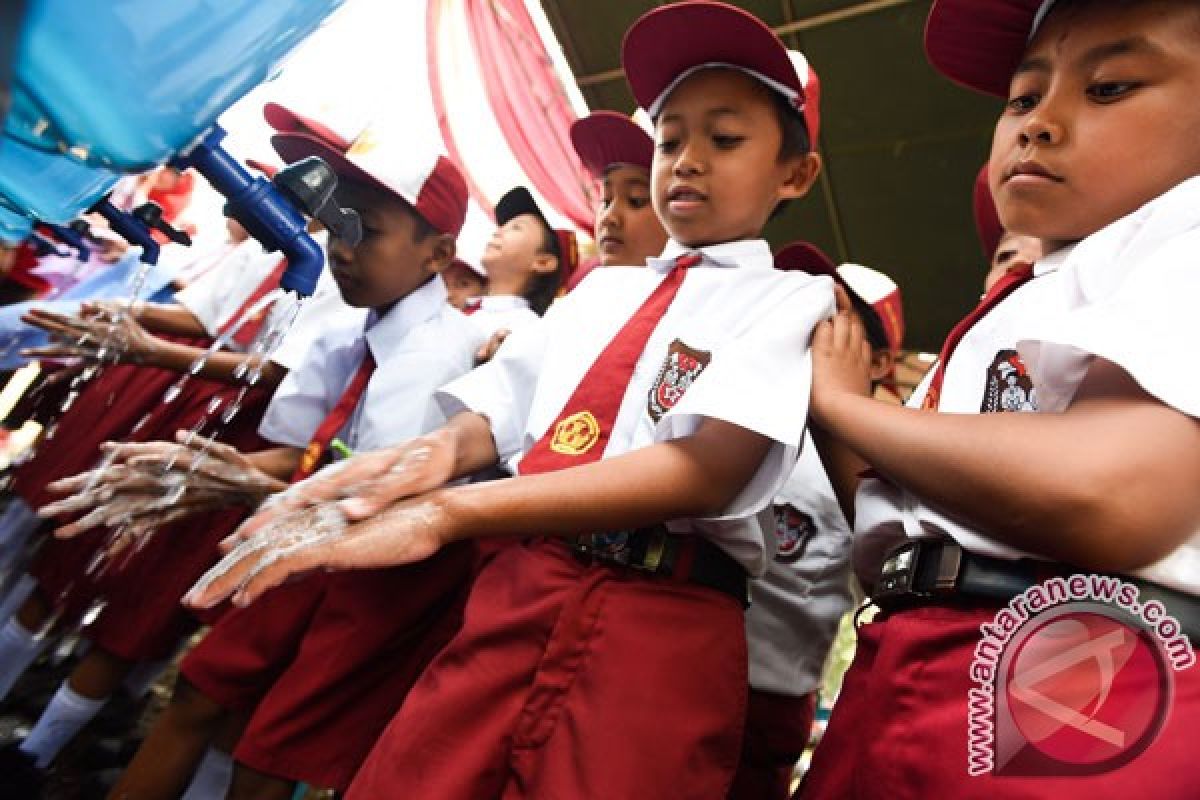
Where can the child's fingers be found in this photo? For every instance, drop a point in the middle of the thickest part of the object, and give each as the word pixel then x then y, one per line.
pixel 271 572
pixel 841 298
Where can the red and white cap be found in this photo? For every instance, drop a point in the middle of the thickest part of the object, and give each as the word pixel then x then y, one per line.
pixel 979 43
pixel 987 221
pixel 604 139
pixel 339 135
pixel 667 44
pixel 870 285
pixel 425 179
pixel 478 269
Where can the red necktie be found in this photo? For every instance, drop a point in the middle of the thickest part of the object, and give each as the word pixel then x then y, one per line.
pixel 580 432
pixel 335 419
pixel 1008 283
pixel 246 333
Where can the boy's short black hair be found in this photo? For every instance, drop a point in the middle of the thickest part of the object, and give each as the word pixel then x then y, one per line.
pixel 876 334
pixel 794 141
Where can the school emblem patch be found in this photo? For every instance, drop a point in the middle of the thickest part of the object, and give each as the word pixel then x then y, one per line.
pixel 1008 386
pixel 678 372
pixel 576 434
pixel 793 530
pixel 311 458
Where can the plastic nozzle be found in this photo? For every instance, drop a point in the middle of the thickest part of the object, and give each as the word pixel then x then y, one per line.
pixel 263 210
pixel 129 227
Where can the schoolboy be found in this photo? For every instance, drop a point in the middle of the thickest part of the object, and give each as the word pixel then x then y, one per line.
pixel 669 407
pixel 465 283
pixel 323 670
pixel 617 153
pixel 1099 480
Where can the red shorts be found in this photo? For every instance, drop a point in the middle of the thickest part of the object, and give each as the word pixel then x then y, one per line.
pixel 569 681
pixel 899 727
pixel 777 731
pixel 326 662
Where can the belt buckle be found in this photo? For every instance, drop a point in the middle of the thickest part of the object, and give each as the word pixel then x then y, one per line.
pixel 898 575
pixel 607 548
pixel 618 547
pixel 898 572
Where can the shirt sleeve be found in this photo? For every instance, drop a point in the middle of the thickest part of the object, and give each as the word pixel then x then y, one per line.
pixel 503 389
pixel 1148 327
pixel 760 381
pixel 303 398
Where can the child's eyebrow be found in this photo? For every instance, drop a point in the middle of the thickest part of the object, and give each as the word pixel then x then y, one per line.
pixel 1134 45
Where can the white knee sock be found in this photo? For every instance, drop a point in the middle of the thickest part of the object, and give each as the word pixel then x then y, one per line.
pixel 16 597
pixel 18 649
pixel 17 523
pixel 212 778
pixel 66 715
pixel 141 677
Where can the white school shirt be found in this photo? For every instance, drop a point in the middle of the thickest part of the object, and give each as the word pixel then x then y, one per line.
pixel 507 311
pixel 1126 294
pixel 222 291
pixel 797 605
pixel 419 344
pixel 753 321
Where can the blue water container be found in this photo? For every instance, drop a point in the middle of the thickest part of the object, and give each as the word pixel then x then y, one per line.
pixel 48 187
pixel 14 227
pixel 126 84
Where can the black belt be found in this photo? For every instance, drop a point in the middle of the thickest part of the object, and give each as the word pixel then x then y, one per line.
pixel 656 551
pixel 926 571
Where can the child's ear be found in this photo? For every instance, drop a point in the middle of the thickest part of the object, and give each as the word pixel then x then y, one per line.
pixel 441 255
pixel 882 362
pixel 545 263
pixel 802 172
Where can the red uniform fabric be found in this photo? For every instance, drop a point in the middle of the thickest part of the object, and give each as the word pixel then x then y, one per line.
pixel 572 680
pixel 370 637
pixel 107 409
pixel 142 618
pixel 899 728
pixel 599 393
pixel 778 727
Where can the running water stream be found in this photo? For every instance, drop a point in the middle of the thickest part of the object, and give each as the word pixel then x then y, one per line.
pixel 282 307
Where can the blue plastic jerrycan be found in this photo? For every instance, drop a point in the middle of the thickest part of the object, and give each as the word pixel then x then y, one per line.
pixel 126 84
pixel 14 228
pixel 48 187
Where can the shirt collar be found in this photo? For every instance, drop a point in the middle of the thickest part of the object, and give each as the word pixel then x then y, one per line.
pixel 385 331
pixel 503 302
pixel 744 253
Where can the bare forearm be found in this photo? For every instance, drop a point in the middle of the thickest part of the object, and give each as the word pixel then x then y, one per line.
pixel 1086 486
pixel 279 462
pixel 474 445
pixel 686 478
pixel 173 319
pixel 844 468
pixel 219 366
